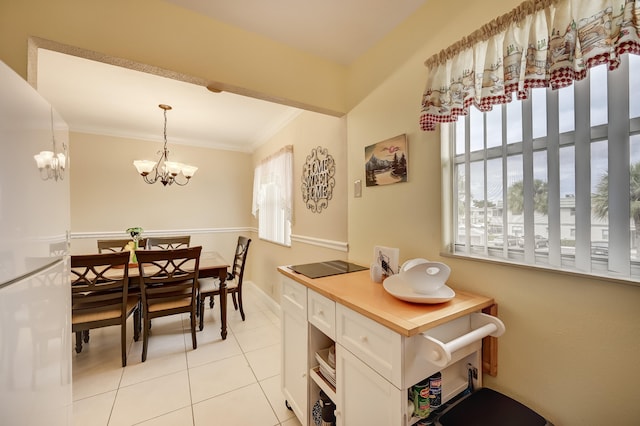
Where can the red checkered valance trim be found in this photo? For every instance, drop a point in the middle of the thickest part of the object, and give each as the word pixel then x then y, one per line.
pixel 565 40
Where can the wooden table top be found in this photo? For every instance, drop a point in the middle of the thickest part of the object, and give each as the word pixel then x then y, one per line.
pixel 356 291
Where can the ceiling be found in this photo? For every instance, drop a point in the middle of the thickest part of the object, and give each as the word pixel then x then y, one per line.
pixel 95 97
pixel 338 30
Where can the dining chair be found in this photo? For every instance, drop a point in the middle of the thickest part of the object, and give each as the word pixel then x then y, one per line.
pixel 168 282
pixel 100 297
pixel 168 243
pixel 117 245
pixel 210 287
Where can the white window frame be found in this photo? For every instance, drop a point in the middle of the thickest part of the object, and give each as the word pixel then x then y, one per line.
pixel 618 265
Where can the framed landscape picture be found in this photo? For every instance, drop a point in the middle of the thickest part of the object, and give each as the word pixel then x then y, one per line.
pixel 386 162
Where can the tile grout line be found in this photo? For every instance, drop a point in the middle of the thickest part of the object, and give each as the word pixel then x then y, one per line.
pixel 186 362
pixel 185 326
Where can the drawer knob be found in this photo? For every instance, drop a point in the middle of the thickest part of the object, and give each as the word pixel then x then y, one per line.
pixel 363 339
pixel 320 312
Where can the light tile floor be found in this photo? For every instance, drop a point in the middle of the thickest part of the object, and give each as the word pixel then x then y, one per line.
pixel 223 382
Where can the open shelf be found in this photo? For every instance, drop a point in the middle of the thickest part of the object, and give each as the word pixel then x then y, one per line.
pixel 322 383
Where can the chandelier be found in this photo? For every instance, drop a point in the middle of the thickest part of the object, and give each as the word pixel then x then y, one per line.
pixel 50 163
pixel 163 170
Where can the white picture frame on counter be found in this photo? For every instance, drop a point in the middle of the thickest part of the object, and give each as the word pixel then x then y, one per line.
pixel 387 260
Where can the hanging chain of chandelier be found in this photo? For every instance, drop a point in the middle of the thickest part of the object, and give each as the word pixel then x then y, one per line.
pixel 163 170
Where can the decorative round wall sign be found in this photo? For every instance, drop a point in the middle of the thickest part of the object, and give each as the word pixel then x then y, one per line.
pixel 318 179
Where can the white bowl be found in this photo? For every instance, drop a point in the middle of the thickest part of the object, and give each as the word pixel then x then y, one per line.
pixel 426 277
pixel 411 263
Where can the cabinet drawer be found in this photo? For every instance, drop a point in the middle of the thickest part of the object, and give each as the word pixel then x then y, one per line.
pixel 294 298
pixel 322 313
pixel 376 345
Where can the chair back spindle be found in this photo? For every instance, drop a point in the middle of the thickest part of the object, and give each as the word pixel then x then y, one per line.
pixel 168 283
pixel 100 297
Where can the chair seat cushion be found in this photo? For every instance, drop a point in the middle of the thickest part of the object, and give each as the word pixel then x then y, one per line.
pixel 79 317
pixel 155 306
pixel 211 285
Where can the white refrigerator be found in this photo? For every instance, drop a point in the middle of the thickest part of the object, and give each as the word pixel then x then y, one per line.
pixel 35 299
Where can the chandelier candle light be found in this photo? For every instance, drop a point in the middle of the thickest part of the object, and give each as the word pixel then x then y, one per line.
pixel 164 170
pixel 51 163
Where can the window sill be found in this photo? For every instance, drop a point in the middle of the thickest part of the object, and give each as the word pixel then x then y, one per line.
pixel 542 268
pixel 274 242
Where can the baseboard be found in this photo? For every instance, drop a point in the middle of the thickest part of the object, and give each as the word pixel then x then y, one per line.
pixel 268 300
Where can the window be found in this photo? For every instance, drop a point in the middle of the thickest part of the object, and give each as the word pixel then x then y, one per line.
pixel 272 196
pixel 553 180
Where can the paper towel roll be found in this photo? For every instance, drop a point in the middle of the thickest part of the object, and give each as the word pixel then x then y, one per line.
pixel 376 273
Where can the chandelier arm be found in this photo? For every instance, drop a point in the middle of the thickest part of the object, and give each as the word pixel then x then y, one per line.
pixel 151 181
pixel 180 184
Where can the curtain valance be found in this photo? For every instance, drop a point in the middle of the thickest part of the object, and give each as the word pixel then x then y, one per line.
pixel 541 43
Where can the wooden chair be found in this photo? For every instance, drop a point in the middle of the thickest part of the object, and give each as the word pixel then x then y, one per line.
pixel 168 243
pixel 100 298
pixel 209 287
pixel 168 282
pixel 117 245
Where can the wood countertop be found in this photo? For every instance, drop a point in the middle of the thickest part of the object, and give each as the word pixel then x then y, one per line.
pixel 356 291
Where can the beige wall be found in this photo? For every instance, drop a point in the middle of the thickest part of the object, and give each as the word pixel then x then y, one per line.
pixel 160 34
pixel 308 131
pixel 215 207
pixel 108 195
pixel 571 346
pixel 570 350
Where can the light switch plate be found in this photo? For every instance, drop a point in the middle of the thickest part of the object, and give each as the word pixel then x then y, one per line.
pixel 357 189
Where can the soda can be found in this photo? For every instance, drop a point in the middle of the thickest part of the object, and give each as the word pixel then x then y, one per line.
pixel 421 400
pixel 435 390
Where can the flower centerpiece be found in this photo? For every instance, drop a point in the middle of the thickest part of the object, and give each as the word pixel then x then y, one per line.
pixel 136 235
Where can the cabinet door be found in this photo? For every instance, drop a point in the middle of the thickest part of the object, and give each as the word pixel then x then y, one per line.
pixel 365 397
pixel 294 363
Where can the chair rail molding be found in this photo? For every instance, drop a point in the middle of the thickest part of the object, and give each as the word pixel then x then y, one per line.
pixel 158 232
pixel 319 242
pixel 331 244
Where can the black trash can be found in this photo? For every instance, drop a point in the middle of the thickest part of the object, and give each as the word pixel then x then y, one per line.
pixel 486 407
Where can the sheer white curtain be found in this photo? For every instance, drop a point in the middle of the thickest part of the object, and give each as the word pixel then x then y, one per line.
pixel 541 43
pixel 273 196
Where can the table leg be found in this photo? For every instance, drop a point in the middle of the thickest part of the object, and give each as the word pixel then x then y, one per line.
pixel 223 304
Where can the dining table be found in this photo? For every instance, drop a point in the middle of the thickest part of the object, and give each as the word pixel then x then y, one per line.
pixel 212 265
